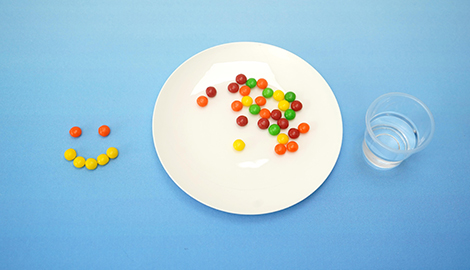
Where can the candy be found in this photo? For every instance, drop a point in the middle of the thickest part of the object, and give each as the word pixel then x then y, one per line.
pixel 91 164
pixel 283 123
pixel 75 132
pixel 296 105
pixel 202 101
pixel 263 123
pixel 254 109
pixel 104 130
pixel 280 149
pixel 293 133
pixel 242 120
pixel 260 101
pixel 251 82
pixel 262 83
pixel 211 91
pixel 112 152
pixel 304 128
pixel 247 101
pixel 278 95
pixel 289 96
pixel 292 146
pixel 265 113
pixel 240 79
pixel 283 105
pixel 276 114
pixel 289 114
pixel 282 138
pixel 233 87
pixel 79 162
pixel 239 145
pixel 274 129
pixel 70 154
pixel 102 159
pixel 237 105
pixel 245 90
pixel 267 92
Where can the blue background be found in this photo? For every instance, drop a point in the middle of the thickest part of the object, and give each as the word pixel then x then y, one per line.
pixel 89 63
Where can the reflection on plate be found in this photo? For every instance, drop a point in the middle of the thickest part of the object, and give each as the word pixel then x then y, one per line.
pixel 194 144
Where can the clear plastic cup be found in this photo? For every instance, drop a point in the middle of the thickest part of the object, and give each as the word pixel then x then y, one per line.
pixel 397 126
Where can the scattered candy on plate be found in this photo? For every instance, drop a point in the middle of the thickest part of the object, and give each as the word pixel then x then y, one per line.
pixel 287 108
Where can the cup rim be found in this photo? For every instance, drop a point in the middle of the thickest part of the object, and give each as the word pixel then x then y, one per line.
pixel 411 151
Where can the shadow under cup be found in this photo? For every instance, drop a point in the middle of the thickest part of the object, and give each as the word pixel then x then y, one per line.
pixel 397 126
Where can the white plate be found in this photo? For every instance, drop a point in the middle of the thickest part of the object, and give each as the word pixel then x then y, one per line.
pixel 194 144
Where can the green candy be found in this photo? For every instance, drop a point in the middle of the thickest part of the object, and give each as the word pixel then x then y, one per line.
pixel 289 96
pixel 251 82
pixel 254 109
pixel 268 92
pixel 289 114
pixel 274 129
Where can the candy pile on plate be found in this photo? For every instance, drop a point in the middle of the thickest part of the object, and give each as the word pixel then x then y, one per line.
pixel 274 121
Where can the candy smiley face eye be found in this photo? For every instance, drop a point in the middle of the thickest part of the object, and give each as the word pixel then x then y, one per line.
pixel 104 130
pixel 90 163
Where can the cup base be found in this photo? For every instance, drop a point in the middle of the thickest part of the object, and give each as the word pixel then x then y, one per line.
pixel 375 161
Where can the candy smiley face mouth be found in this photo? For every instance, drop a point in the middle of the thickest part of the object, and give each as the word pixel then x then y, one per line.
pixel 90 163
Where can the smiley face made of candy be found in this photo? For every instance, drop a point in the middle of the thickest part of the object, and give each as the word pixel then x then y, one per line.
pixel 90 163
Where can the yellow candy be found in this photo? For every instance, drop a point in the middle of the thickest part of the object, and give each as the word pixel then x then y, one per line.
pixel 79 162
pixel 103 159
pixel 278 95
pixel 91 164
pixel 112 152
pixel 70 154
pixel 239 145
pixel 283 105
pixel 282 138
pixel 247 101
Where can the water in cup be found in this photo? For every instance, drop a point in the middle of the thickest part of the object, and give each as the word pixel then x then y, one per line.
pixel 391 135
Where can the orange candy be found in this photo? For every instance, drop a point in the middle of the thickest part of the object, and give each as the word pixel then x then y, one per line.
pixel 104 130
pixel 202 101
pixel 265 113
pixel 237 105
pixel 260 100
pixel 75 132
pixel 304 128
pixel 280 149
pixel 292 146
pixel 245 90
pixel 262 83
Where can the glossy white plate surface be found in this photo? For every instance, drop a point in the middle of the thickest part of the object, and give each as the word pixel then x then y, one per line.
pixel 194 144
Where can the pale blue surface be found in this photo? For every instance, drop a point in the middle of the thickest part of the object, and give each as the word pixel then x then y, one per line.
pixel 87 63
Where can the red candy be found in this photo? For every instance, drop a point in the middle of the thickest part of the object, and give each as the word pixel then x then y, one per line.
pixel 283 123
pixel 276 114
pixel 211 91
pixel 293 133
pixel 233 87
pixel 242 120
pixel 263 123
pixel 296 105
pixel 240 79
